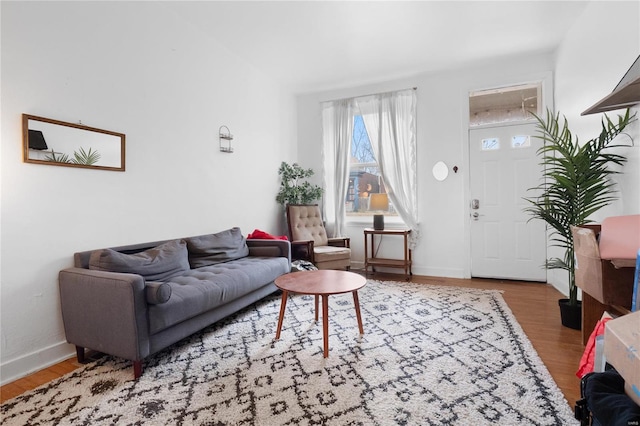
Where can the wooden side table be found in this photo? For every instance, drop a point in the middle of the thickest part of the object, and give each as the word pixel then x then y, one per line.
pixel 372 261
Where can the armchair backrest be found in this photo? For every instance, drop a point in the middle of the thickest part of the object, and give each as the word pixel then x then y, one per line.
pixel 305 223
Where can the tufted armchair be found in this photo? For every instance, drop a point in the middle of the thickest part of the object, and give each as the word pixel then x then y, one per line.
pixel 309 239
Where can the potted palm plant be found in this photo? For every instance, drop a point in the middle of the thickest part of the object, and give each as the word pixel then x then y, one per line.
pixel 575 184
pixel 294 188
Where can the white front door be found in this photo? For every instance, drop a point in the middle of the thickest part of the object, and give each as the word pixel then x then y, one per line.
pixel 504 242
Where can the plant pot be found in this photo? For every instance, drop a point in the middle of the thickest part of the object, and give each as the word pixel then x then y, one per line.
pixel 571 315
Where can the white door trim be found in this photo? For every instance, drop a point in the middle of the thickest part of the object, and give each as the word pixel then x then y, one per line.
pixel 547 102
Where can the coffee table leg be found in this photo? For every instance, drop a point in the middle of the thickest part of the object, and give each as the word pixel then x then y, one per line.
pixel 325 323
pixel 317 297
pixel 356 302
pixel 283 305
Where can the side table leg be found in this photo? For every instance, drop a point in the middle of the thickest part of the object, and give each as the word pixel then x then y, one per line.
pixel 356 302
pixel 325 323
pixel 366 253
pixel 283 305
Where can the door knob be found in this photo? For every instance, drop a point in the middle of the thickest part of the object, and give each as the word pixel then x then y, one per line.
pixel 476 215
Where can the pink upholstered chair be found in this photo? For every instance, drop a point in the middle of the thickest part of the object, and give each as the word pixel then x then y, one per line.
pixel 309 240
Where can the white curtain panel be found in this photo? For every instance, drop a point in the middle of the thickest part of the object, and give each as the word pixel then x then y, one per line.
pixel 337 131
pixel 390 120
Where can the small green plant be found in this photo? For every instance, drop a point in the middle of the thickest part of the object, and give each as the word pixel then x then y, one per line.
pixel 86 158
pixel 576 183
pixel 294 189
pixel 58 157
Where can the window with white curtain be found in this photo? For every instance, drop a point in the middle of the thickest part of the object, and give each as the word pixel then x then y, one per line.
pixel 369 158
pixel 366 193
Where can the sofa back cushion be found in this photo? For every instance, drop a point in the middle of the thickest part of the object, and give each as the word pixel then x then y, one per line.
pixel 205 250
pixel 155 264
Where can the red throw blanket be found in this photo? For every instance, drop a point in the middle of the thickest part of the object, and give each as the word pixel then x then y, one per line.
pixel 261 235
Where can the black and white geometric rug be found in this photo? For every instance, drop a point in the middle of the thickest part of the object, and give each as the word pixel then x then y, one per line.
pixel 430 355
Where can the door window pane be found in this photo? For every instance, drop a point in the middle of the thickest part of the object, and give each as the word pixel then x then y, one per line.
pixel 521 141
pixel 490 144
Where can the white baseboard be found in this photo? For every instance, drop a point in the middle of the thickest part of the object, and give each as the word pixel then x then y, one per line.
pixel 439 272
pixel 559 280
pixel 417 270
pixel 35 361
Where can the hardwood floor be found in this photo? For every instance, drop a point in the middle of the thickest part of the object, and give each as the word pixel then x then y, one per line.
pixel 534 305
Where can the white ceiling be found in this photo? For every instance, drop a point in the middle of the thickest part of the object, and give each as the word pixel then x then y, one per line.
pixel 320 45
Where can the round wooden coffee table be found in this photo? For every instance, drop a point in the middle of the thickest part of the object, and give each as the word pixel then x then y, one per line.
pixel 320 283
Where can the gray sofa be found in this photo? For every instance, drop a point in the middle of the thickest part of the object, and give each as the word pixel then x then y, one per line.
pixel 135 300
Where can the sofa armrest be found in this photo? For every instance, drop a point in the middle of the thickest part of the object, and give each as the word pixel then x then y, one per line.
pixel 339 242
pixel 105 311
pixel 269 248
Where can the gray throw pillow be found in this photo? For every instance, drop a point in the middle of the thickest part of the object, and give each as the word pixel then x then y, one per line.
pixel 217 248
pixel 156 264
pixel 157 292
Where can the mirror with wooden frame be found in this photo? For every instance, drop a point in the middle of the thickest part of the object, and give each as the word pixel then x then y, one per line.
pixel 54 142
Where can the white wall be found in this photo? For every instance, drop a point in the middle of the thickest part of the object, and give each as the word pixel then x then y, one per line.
pixel 443 112
pixel 597 51
pixel 591 61
pixel 137 69
pixel 594 56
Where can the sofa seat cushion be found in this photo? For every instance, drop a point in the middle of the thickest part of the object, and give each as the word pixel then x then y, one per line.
pixel 330 253
pixel 203 289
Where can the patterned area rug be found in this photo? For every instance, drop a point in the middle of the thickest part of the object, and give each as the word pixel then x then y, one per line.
pixel 430 355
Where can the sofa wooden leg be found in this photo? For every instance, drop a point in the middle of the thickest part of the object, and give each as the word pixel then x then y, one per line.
pixel 80 354
pixel 137 369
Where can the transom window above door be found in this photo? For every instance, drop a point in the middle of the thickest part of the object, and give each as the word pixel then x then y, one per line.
pixel 505 104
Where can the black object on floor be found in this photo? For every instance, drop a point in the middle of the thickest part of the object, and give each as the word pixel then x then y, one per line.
pixel 604 401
